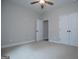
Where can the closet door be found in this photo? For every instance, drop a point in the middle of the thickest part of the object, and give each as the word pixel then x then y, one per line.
pixel 63 27
pixel 73 28
pixel 68 29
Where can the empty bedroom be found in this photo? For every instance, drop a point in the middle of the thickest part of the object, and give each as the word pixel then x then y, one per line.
pixel 39 29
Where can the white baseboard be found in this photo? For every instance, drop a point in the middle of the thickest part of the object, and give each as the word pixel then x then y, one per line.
pixel 62 43
pixel 16 44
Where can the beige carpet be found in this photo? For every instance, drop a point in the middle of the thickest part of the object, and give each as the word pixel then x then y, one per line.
pixel 42 50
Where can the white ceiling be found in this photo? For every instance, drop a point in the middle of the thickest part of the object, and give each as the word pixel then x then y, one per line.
pixel 37 8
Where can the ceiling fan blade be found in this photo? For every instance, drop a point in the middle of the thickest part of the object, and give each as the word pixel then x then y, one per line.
pixel 34 2
pixel 48 2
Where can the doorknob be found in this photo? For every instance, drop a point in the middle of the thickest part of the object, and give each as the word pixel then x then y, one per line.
pixel 68 30
pixel 36 30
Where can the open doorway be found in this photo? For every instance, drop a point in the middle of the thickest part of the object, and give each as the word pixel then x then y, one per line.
pixel 45 30
pixel 42 30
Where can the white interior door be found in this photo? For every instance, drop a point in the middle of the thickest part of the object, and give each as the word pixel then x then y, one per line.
pixel 63 25
pixel 39 30
pixel 73 27
pixel 68 29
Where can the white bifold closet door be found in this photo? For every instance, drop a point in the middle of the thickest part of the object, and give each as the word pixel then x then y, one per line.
pixel 68 25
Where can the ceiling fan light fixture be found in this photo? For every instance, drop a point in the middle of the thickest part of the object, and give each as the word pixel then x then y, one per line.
pixel 42 2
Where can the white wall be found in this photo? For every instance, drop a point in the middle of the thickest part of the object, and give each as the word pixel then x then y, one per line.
pixel 53 19
pixel 17 24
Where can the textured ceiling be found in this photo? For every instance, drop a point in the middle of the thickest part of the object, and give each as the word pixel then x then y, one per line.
pixel 36 7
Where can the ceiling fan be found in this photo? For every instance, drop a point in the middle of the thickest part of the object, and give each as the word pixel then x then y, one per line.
pixel 42 3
